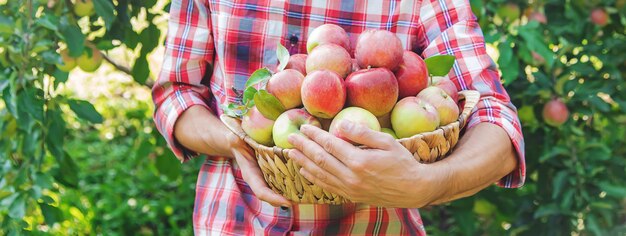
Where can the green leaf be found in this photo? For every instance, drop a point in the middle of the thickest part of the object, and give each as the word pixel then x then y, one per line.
pixel 85 111
pixel 43 180
pixel 141 70
pixel 48 21
pixel 56 129
pixel 439 65
pixel 268 105
pixel 74 39
pixel 508 64
pixel 104 8
pixel 6 25
pixel 50 213
pixel 248 94
pixel 592 224
pixel 17 209
pixel 257 76
pixel 28 102
pixel 168 165
pixel 613 190
pixel 67 172
pixel 283 56
pixel 558 182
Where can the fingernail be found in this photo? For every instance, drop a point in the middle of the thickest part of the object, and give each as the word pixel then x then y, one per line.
pixel 346 125
pixel 305 127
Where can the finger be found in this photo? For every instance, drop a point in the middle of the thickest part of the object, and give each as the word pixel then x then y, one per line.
pixel 320 174
pixel 333 145
pixel 366 136
pixel 253 176
pixel 316 154
pixel 331 188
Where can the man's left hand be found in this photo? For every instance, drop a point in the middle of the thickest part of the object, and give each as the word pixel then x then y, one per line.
pixel 385 174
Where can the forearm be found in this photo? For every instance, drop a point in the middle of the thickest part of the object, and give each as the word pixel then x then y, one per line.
pixel 483 156
pixel 201 131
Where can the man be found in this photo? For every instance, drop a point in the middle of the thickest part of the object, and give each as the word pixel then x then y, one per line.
pixel 213 46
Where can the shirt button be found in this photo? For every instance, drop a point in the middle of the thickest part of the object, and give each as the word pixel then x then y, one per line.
pixel 284 208
pixel 293 39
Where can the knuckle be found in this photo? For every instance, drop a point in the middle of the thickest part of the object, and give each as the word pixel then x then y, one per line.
pixel 327 144
pixel 320 158
pixel 321 177
pixel 357 165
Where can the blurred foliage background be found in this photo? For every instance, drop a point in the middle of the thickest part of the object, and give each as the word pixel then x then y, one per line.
pixel 80 155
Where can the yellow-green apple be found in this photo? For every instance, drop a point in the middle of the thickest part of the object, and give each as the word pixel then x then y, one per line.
pixel 297 62
pixel 355 115
pixel 555 113
pixel 289 123
pixel 325 34
pixel 286 86
pixel 599 17
pixel 412 116
pixel 323 93
pixel 390 132
pixel 84 8
pixel 446 85
pixel 258 127
pixel 374 89
pixel 378 48
pixel 68 62
pixel 447 108
pixel 329 57
pixel 412 75
pixel 89 63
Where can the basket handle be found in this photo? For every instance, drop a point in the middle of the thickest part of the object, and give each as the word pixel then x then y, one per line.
pixel 471 98
pixel 234 125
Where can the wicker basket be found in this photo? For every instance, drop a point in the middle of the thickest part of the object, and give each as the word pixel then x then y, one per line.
pixel 282 174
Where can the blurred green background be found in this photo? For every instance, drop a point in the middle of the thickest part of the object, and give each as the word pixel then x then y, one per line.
pixel 80 154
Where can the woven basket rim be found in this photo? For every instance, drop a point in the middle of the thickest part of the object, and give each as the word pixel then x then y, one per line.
pixel 471 98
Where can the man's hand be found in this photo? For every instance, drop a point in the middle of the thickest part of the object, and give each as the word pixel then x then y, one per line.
pixel 201 131
pixel 385 175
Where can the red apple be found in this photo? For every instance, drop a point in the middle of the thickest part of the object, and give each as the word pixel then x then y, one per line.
pixel 297 62
pixel 555 113
pixel 289 123
pixel 599 17
pixel 539 17
pixel 375 90
pixel 355 65
pixel 325 34
pixel 447 109
pixel 323 93
pixel 412 75
pixel 258 127
pixel 356 115
pixel 446 85
pixel 378 48
pixel 329 57
pixel 412 116
pixel 286 86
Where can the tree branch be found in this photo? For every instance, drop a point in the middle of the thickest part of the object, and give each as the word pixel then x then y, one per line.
pixel 149 81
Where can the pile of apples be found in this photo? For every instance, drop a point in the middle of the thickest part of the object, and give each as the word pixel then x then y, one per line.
pixel 384 88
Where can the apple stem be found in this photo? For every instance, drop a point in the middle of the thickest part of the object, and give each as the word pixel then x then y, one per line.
pixel 430 77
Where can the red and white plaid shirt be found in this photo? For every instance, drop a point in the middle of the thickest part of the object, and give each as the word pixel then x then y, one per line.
pixel 213 46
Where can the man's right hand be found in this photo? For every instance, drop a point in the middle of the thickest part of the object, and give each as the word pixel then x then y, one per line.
pixel 201 131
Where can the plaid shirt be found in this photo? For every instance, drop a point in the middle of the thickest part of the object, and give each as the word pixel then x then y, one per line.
pixel 213 46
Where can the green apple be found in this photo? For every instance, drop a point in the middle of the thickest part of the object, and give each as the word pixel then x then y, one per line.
pixel 412 116
pixel 89 63
pixel 356 115
pixel 289 123
pixel 258 127
pixel 84 8
pixel 389 131
pixel 68 62
pixel 447 109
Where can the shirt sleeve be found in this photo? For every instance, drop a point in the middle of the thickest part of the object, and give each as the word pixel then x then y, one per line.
pixel 188 53
pixel 450 27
